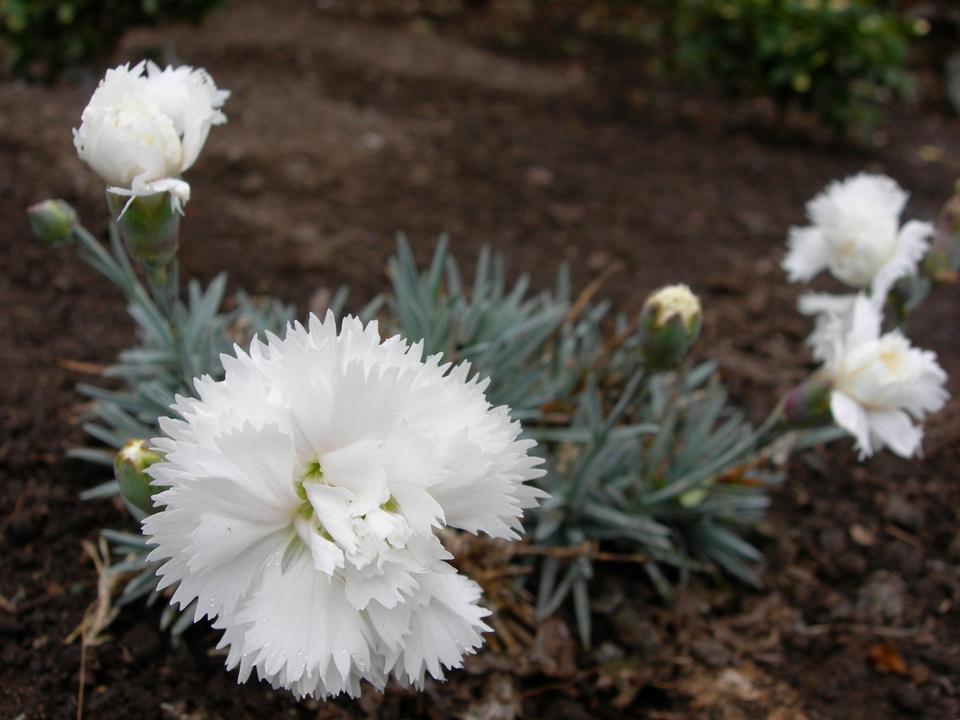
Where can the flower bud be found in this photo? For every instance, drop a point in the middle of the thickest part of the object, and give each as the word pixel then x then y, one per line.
pixel 144 127
pixel 808 404
pixel 670 322
pixel 52 221
pixel 942 263
pixel 149 226
pixel 939 267
pixel 129 466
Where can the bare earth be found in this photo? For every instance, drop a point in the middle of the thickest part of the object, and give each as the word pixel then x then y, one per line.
pixel 343 132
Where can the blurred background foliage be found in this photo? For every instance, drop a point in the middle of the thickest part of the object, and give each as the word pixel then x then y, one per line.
pixel 45 38
pixel 841 61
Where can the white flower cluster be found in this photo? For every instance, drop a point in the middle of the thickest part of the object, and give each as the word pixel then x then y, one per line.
pixel 301 498
pixel 881 387
pixel 145 126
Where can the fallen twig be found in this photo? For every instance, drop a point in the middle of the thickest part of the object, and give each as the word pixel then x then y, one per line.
pixel 98 615
pixel 587 549
pixel 584 298
pixel 87 368
pixel 857 629
pixel 903 536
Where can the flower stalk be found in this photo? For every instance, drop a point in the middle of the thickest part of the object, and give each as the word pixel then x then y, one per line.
pixel 150 228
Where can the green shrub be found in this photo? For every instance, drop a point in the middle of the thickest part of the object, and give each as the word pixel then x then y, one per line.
pixel 44 37
pixel 839 59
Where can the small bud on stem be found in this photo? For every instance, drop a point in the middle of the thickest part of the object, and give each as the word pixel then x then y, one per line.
pixel 808 404
pixel 670 323
pixel 942 263
pixel 129 466
pixel 52 221
pixel 939 267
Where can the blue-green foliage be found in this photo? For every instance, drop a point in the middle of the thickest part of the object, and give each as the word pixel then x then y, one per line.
pixel 43 38
pixel 657 467
pixel 173 347
pixel 175 344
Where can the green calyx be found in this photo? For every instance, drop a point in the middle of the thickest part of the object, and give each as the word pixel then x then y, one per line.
pixel 149 226
pixel 808 404
pixel 666 343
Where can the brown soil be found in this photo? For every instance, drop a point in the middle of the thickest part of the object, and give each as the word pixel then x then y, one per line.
pixel 343 132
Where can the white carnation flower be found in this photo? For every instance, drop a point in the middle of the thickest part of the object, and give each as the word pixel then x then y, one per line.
pixel 301 497
pixel 882 385
pixel 145 126
pixel 856 235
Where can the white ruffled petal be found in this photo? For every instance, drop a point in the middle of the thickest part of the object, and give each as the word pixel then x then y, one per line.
pixel 332 507
pixel 299 625
pixel 893 429
pixel 865 322
pixel 912 244
pixel 807 254
pixel 446 624
pixel 849 415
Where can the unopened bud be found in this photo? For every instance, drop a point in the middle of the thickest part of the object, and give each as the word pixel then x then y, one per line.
pixel 808 404
pixel 129 466
pixel 942 263
pixel 670 323
pixel 52 221
pixel 938 266
pixel 149 226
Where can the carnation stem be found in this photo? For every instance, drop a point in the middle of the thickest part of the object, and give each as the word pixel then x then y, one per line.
pixel 163 282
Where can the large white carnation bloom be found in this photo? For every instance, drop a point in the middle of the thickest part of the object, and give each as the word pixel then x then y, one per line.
pixel 302 494
pixel 145 126
pixel 855 233
pixel 882 386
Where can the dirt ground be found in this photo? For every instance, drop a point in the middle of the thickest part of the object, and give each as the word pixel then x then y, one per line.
pixel 343 131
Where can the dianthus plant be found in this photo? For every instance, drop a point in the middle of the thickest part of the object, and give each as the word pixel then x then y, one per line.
pixel 291 480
